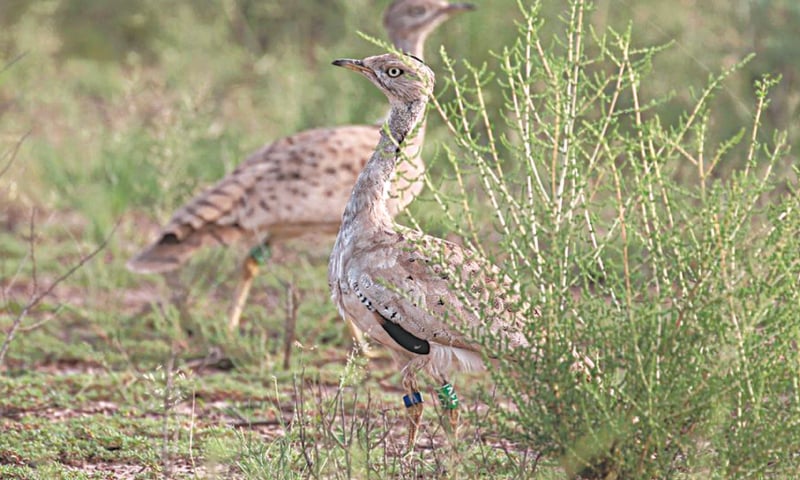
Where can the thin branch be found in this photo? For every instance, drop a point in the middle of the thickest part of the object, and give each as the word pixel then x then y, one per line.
pixel 32 247
pixel 13 61
pixel 38 297
pixel 292 301
pixel 168 405
pixel 14 152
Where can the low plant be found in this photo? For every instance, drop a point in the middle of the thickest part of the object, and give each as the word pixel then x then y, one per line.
pixel 666 341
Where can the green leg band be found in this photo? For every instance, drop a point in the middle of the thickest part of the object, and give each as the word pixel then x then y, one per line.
pixel 260 254
pixel 448 397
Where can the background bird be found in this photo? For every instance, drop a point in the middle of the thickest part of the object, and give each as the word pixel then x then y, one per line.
pixel 296 185
pixel 427 300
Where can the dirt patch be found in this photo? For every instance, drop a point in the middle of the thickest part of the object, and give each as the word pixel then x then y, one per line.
pixel 124 471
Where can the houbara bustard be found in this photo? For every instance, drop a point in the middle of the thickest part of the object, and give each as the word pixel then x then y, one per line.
pixel 426 299
pixel 296 185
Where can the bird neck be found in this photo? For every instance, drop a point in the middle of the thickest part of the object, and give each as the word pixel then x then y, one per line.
pixel 411 44
pixel 367 206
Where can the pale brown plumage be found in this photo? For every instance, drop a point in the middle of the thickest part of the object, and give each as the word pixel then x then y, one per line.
pixel 424 298
pixel 296 185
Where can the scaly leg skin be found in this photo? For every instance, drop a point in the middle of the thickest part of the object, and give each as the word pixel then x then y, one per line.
pixel 257 257
pixel 414 408
pixel 414 413
pixel 453 415
pixel 450 403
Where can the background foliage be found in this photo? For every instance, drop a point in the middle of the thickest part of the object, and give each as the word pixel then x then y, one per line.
pixel 683 294
pixel 667 288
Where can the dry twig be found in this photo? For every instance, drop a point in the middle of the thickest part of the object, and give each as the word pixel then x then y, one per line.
pixel 37 296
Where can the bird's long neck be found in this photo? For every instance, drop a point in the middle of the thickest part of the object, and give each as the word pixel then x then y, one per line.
pixel 367 207
pixel 411 44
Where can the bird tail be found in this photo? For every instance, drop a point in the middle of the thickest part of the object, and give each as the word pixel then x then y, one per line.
pixel 455 358
pixel 172 250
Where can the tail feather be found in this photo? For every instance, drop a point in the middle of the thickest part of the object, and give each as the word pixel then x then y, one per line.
pixel 448 359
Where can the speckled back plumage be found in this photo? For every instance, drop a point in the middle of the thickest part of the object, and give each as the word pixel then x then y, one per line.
pixel 289 187
pixel 298 184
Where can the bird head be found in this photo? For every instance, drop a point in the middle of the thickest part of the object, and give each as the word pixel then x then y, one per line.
pixel 409 22
pixel 403 79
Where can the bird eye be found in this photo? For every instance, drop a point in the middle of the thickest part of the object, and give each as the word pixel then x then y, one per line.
pixel 394 72
pixel 417 11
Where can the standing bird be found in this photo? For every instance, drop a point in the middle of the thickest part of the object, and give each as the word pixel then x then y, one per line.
pixel 426 299
pixel 296 185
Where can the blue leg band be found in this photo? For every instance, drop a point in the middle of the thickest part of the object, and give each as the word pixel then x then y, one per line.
pixel 413 399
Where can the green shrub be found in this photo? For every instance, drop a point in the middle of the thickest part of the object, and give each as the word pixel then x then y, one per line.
pixel 667 335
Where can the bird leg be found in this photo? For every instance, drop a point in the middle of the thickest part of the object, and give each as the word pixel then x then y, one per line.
pixel 257 257
pixel 449 401
pixel 413 402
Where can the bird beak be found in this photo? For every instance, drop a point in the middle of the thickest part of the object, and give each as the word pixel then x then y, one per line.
pixel 350 64
pixel 454 8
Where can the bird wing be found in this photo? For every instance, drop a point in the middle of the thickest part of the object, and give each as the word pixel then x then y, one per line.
pixel 295 184
pixel 317 166
pixel 424 289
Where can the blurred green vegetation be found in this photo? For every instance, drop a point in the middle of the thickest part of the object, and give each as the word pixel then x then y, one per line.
pixel 662 263
pixel 154 100
pixel 133 105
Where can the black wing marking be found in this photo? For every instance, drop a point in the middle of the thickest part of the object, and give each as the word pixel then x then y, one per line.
pixel 403 337
pixel 400 335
